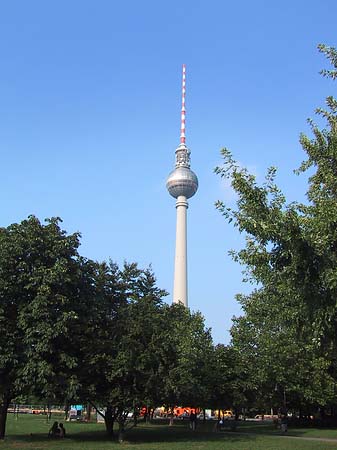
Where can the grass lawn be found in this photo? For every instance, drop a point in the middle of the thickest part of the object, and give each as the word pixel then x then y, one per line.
pixel 268 428
pixel 30 432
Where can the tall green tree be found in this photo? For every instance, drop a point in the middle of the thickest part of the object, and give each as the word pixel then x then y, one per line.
pixel 229 380
pixel 122 359
pixel 288 329
pixel 187 366
pixel 40 273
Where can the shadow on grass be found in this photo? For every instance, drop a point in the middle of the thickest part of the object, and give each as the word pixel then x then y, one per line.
pixel 154 435
pixel 142 434
pixel 268 428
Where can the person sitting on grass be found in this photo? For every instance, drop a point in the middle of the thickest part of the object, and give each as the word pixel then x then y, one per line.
pixel 54 431
pixel 62 431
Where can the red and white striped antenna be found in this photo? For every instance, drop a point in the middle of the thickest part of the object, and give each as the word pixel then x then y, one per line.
pixel 183 110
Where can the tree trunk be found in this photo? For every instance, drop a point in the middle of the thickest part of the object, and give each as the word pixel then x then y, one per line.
pixel 135 418
pixel 88 412
pixel 109 421
pixel 322 413
pixel 147 415
pixel 3 415
pixel 120 431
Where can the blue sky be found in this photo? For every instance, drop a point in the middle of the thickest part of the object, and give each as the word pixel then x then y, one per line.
pixel 90 119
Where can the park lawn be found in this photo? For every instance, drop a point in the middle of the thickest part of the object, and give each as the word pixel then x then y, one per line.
pixel 267 427
pixel 30 433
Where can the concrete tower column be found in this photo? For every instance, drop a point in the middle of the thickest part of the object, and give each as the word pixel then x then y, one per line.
pixel 182 184
pixel 180 266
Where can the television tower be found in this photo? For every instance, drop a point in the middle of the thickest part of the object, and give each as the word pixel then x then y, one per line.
pixel 182 184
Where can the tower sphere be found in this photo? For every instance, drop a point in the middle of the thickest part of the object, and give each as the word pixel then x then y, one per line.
pixel 182 181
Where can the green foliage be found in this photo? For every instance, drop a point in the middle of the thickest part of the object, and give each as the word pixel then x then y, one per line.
pixel 40 273
pixel 287 334
pixel 187 364
pixel 76 330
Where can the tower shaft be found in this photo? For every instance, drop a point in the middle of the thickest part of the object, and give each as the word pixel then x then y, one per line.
pixel 180 264
pixel 182 184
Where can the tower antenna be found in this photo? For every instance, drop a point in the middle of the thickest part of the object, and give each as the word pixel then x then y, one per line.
pixel 183 110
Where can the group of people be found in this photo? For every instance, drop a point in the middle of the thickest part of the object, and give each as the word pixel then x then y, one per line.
pixel 57 430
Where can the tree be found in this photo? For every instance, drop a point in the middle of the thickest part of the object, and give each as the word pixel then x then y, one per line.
pixel 290 319
pixel 229 379
pixel 121 357
pixel 40 273
pixel 188 358
pixel 137 364
pixel 101 331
